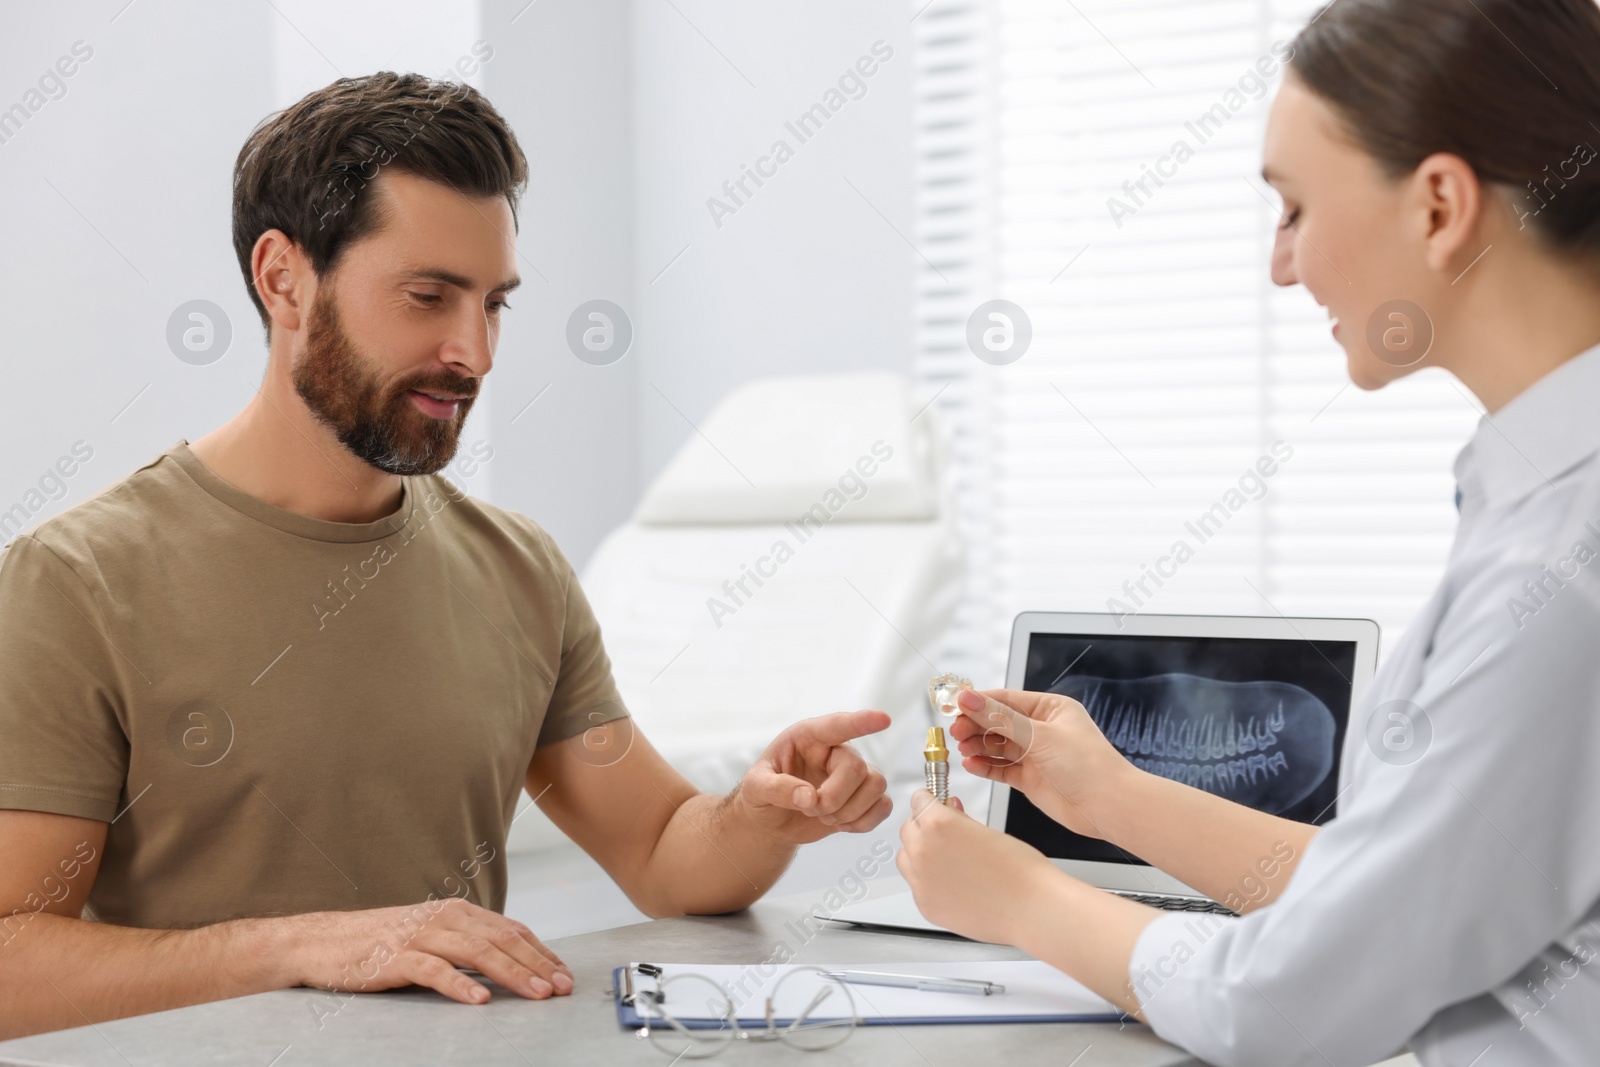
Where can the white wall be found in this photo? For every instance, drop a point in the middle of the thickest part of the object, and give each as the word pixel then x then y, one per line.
pixel 116 201
pixel 561 77
pixel 805 277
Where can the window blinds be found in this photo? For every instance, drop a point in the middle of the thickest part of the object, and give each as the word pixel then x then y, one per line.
pixel 1181 435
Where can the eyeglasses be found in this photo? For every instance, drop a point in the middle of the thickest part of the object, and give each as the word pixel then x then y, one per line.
pixel 790 1013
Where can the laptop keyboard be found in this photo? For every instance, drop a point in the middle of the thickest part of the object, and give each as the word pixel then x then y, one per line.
pixel 1167 903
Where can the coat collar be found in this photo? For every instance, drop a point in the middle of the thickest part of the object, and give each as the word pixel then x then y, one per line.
pixel 1545 431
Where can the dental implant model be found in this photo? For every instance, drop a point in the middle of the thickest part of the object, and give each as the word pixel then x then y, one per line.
pixel 942 692
pixel 936 765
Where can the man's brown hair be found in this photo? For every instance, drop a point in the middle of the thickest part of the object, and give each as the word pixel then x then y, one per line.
pixel 307 170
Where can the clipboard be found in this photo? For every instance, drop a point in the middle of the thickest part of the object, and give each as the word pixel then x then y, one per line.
pixel 1035 992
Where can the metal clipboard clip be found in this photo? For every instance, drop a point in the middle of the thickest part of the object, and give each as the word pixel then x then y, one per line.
pixel 630 994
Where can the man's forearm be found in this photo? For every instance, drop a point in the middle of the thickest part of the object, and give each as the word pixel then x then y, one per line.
pixel 57 972
pixel 711 860
pixel 1232 853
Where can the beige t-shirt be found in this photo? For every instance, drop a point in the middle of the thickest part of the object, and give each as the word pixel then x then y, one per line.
pixel 280 714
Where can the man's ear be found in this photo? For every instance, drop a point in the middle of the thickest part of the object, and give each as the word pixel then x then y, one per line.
pixel 283 278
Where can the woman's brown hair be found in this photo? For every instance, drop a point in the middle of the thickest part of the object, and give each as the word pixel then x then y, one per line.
pixel 307 170
pixel 1510 86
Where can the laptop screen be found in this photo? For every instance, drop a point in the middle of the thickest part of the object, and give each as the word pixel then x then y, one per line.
pixel 1260 721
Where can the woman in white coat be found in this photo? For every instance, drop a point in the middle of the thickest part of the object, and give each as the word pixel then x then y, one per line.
pixel 1437 160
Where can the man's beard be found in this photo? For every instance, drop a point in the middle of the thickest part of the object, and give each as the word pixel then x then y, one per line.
pixel 383 428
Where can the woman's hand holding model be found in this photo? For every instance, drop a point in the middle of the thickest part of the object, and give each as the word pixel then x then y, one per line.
pixel 976 899
pixel 985 884
pixel 1045 745
pixel 978 881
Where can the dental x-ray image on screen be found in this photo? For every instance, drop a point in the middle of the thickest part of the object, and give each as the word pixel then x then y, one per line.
pixel 1254 721
pixel 1265 744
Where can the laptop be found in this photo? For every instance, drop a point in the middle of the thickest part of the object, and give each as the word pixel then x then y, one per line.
pixel 1254 709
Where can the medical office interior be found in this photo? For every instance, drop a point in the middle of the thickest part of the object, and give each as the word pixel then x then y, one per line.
pixel 849 331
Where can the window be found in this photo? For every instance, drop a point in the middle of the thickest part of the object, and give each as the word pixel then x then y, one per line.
pixel 1166 373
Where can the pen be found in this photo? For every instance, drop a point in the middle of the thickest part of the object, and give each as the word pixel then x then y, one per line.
pixel 932 984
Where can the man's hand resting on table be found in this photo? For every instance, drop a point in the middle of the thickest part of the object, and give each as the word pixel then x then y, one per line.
pixel 668 846
pixel 810 783
pixel 420 944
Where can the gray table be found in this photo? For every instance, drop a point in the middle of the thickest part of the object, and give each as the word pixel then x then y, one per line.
pixel 414 1026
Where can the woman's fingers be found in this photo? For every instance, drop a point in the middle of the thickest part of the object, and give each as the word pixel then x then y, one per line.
pixel 992 748
pixel 1026 701
pixel 995 721
pixel 1004 773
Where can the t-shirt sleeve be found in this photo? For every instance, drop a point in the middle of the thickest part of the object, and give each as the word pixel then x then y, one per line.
pixel 585 693
pixel 62 746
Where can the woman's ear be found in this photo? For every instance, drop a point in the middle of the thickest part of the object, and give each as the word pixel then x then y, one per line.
pixel 1448 204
